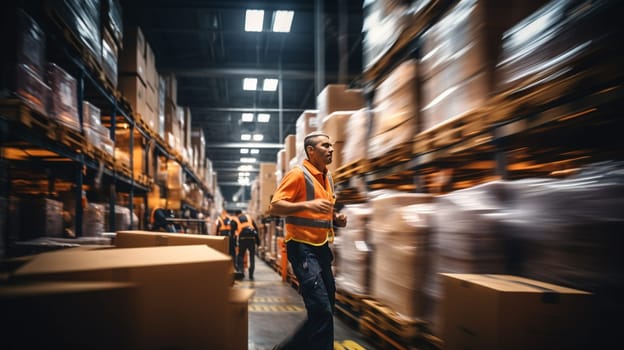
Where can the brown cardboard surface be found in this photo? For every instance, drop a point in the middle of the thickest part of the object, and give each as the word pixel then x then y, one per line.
pixel 137 239
pixel 239 318
pixel 182 289
pixel 335 125
pixel 510 312
pixel 52 315
pixel 336 97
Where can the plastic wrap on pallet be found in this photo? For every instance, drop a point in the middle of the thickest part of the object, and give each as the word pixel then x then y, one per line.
pixel 399 233
pixel 40 217
pixel 469 233
pixel 31 89
pixel 91 115
pixel 547 43
pixel 83 19
pixel 64 106
pixel 122 219
pixel 384 22
pixel 113 19
pixel 23 42
pixel 353 258
pixel 110 57
pixel 570 231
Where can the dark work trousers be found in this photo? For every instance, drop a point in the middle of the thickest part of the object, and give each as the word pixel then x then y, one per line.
pixel 245 244
pixel 312 266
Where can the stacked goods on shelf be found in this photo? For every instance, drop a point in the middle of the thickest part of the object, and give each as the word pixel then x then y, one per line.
pixel 93 219
pixel 510 312
pixel 281 165
pixel 357 125
pixel 163 90
pixel 198 143
pixel 210 177
pixel 196 278
pixel 568 232
pixel 334 125
pixel 563 42
pixel 395 111
pixel 468 237
pixel 64 99
pixel 459 54
pixel 187 150
pixel 306 123
pixel 399 231
pixel 110 58
pixel 268 184
pixel 174 121
pixel 112 21
pixel 84 22
pixel 290 146
pixel 137 153
pixel 175 185
pixel 95 133
pixel 23 68
pixel 122 219
pixel 151 89
pixel 39 217
pixel 384 21
pixel 133 77
pixel 337 97
pixel 353 248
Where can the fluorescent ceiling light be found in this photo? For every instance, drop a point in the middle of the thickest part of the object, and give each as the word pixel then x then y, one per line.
pixel 243 181
pixel 245 168
pixel 247 160
pixel 254 151
pixel 269 84
pixel 264 117
pixel 245 137
pixel 250 84
pixel 244 150
pixel 247 117
pixel 282 20
pixel 254 20
pixel 258 137
pixel 243 174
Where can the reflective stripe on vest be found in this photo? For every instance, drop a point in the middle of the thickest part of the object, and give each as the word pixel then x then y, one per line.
pixel 309 225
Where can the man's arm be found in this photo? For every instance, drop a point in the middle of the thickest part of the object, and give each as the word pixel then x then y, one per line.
pixel 284 208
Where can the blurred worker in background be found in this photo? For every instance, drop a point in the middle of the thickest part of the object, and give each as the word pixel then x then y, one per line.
pixel 158 220
pixel 224 228
pixel 246 232
pixel 306 198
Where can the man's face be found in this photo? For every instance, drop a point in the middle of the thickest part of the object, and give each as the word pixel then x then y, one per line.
pixel 323 150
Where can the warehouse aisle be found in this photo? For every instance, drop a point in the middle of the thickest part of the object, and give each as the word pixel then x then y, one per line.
pixel 276 309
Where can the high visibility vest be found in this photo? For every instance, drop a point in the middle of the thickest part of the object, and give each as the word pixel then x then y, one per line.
pixel 240 226
pixel 308 226
pixel 224 225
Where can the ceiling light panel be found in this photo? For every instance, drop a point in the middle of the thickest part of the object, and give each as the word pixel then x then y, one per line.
pixel 254 151
pixel 247 117
pixel 244 150
pixel 282 21
pixel 258 137
pixel 254 20
pixel 245 137
pixel 250 84
pixel 264 117
pixel 269 84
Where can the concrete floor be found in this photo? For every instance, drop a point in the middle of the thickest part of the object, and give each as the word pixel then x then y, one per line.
pixel 276 309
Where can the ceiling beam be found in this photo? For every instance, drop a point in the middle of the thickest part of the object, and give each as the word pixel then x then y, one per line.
pixel 244 109
pixel 241 71
pixel 232 183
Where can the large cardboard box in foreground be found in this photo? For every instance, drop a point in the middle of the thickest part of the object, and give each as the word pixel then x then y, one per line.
pixel 509 312
pixel 139 239
pixel 182 295
pixel 239 318
pixel 69 315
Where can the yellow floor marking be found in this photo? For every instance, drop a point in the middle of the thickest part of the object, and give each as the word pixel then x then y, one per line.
pixel 351 345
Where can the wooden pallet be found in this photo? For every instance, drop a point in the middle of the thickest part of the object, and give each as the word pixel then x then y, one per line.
pixel 70 138
pixel 21 112
pixel 454 130
pixel 351 169
pixel 399 154
pixel 350 302
pixel 390 320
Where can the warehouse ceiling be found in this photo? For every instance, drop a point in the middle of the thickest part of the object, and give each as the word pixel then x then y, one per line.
pixel 204 43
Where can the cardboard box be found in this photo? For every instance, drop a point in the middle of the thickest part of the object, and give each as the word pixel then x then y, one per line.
pixel 509 312
pixel 334 125
pixel 290 145
pixel 137 239
pixel 53 315
pixel 182 299
pixel 134 90
pixel 239 318
pixel 132 57
pixel 336 97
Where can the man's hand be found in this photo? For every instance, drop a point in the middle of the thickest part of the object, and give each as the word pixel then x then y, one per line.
pixel 320 205
pixel 340 220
